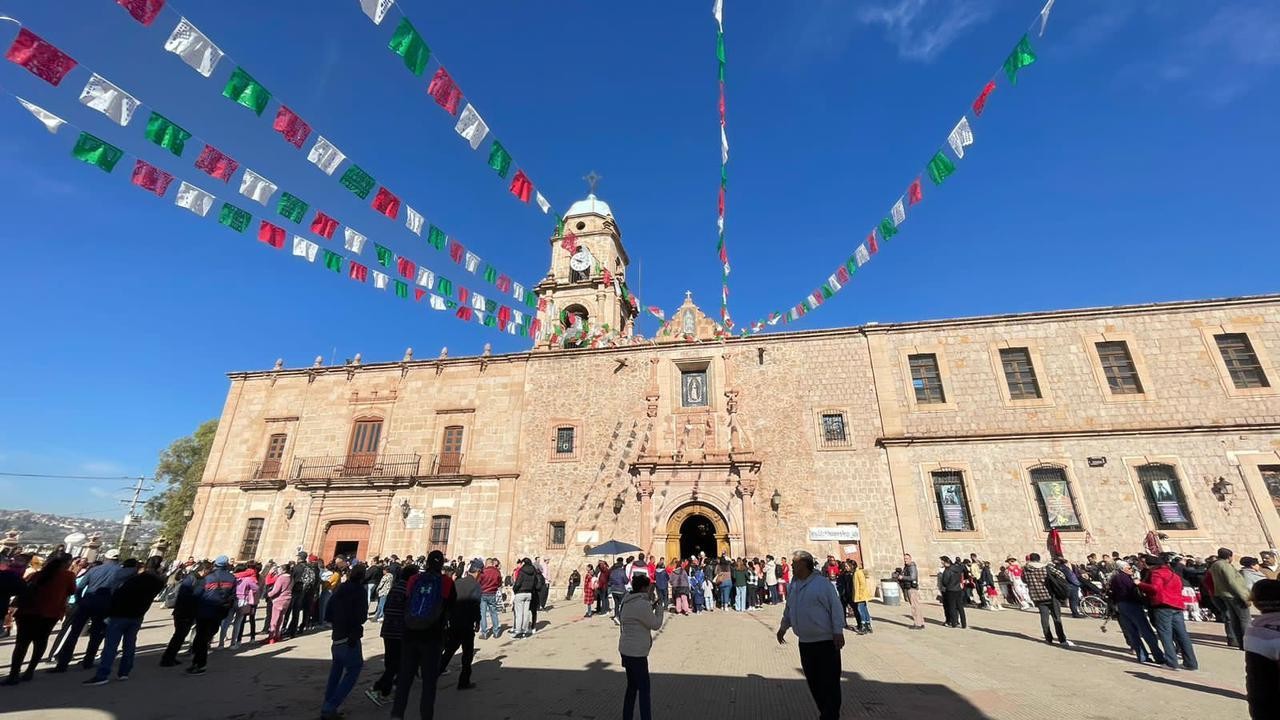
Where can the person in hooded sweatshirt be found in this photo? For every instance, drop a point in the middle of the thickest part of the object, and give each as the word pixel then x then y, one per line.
pixel 348 609
pixel 525 587
pixel 1262 652
pixel 639 615
pixel 215 596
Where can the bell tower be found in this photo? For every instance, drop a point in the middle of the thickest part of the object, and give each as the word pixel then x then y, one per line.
pixel 587 280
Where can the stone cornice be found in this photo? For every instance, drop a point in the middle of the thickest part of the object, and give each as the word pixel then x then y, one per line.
pixel 907 440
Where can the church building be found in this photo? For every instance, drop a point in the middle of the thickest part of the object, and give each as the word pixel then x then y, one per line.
pixel 976 434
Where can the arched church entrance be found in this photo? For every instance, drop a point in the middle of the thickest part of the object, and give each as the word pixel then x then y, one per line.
pixel 346 537
pixel 697 528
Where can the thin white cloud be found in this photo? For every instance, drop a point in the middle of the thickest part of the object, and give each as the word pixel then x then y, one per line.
pixel 100 492
pixel 101 467
pixel 922 29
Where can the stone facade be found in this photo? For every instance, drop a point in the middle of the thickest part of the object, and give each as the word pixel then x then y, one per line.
pixel 725 441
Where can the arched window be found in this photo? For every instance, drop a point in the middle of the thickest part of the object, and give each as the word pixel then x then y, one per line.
pixel 1165 499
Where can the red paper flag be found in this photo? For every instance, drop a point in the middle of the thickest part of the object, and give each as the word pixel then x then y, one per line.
pixel 504 317
pixel 464 313
pixel 272 235
pixel 386 203
pixel 144 11
pixel 445 91
pixel 42 59
pixel 842 275
pixel 324 226
pixel 150 177
pixel 463 294
pixel 521 186
pixel 358 272
pixel 216 164
pixel 872 245
pixel 608 278
pixel 570 243
pixel 915 193
pixel 720 203
pixel 406 267
pixel 981 102
pixel 294 129
pixel 456 250
pixel 535 326
pixel 418 294
pixel 542 304
pixel 503 283
pixel 721 104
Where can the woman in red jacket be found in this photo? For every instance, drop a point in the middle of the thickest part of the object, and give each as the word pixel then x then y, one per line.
pixel 1164 590
pixel 588 590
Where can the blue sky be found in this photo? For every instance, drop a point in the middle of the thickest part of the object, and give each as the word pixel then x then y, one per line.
pixel 1131 164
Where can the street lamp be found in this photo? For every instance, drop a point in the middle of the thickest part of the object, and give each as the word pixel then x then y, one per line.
pixel 404 509
pixel 288 511
pixel 617 505
pixel 775 502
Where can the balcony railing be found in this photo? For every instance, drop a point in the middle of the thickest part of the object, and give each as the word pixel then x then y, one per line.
pixel 446 464
pixel 356 466
pixel 266 470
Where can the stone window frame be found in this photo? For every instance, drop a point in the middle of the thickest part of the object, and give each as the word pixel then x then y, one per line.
pixel 1208 333
pixel 1037 365
pixel 446 417
pixel 944 376
pixel 1255 491
pixel 551 544
pixel 973 498
pixel 1198 531
pixel 1073 484
pixel 257 541
pixel 576 426
pixel 820 432
pixel 693 364
pixel 448 531
pixel 1139 363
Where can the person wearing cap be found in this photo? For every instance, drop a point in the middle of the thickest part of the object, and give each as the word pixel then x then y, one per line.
pixel 215 597
pixel 92 604
pixel 814 613
pixel 1231 595
pixel 464 621
pixel 1262 652
pixel 1163 589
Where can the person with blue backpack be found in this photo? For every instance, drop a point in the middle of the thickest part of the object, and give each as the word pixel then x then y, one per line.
pixel 430 596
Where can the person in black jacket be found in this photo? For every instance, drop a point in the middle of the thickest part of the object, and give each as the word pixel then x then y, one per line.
pixel 347 611
pixel 423 634
pixel 464 622
pixel 184 613
pixel 951 582
pixel 129 604
pixel 392 633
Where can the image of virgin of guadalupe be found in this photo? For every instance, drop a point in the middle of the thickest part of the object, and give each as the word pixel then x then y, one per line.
pixel 695 389
pixel 688 327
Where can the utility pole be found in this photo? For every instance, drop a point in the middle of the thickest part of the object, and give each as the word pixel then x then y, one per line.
pixel 132 517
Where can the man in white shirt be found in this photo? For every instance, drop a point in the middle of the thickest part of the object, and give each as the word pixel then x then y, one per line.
pixel 815 614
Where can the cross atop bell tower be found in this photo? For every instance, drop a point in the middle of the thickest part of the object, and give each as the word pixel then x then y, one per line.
pixel 587 281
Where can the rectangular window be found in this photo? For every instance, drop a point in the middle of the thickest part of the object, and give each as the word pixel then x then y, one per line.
pixel 1165 500
pixel 693 388
pixel 451 451
pixel 252 535
pixel 953 502
pixel 440 533
pixel 555 535
pixel 275 453
pixel 1271 478
pixel 1057 504
pixel 833 430
pixel 1118 367
pixel 1019 373
pixel 1241 361
pixel 926 380
pixel 564 441
pixel 362 453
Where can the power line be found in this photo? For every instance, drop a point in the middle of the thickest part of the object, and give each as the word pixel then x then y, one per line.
pixel 73 477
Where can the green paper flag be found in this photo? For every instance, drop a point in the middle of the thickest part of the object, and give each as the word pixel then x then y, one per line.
pixel 826 291
pixel 385 256
pixel 720 47
pixel 559 227
pixel 333 261
pixel 531 300
pixel 499 159
pixel 402 290
pixel 490 274
pixel 161 131
pixel 1021 57
pixel 234 218
pixel 443 286
pixel 436 238
pixel 851 264
pixel 408 44
pixel 246 91
pixel 940 168
pixel 292 207
pixel 490 320
pixel 96 152
pixel 887 228
pixel 720 73
pixel 490 305
pixel 357 181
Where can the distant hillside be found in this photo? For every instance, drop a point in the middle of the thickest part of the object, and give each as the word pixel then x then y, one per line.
pixel 39 528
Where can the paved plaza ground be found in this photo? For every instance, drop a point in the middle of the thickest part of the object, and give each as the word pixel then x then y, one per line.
pixel 719 665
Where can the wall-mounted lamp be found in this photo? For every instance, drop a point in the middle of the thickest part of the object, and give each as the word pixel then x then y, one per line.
pixel 1222 488
pixel 288 511
pixel 188 513
pixel 617 505
pixel 404 509
pixel 775 502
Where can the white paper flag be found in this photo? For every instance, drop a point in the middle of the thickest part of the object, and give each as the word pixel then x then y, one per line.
pixel 477 301
pixel 426 278
pixel 472 262
pixel 471 126
pixel 1044 15
pixel 304 248
pixel 717 11
pixel 899 213
pixel 380 281
pixel 834 283
pixel 542 202
pixel 961 137
pixel 437 303
pixel 325 155
pixel 724 147
pixel 517 317
pixel 354 242
pixel 861 256
pixel 51 122
pixel 193 199
pixel 193 47
pixel 376 9
pixel 256 188
pixel 109 100
pixel 517 291
pixel 413 220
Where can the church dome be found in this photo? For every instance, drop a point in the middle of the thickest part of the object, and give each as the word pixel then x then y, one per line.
pixel 591 204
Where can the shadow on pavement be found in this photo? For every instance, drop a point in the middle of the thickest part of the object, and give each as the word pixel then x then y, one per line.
pixel 1224 692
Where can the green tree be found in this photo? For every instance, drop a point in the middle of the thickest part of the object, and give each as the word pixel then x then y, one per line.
pixel 179 471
